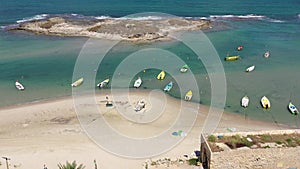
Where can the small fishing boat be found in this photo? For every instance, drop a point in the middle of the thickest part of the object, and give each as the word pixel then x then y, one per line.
pixel 184 68
pixel 245 101
pixel 19 86
pixel 138 83
pixel 188 95
pixel 161 75
pixel 168 87
pixel 250 69
pixel 140 105
pixel 232 58
pixel 265 102
pixel 293 108
pixel 267 54
pixel 103 83
pixel 239 48
pixel 77 82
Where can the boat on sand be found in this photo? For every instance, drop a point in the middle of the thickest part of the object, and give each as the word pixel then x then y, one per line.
pixel 19 86
pixel 245 101
pixel 77 82
pixel 265 102
pixel 293 109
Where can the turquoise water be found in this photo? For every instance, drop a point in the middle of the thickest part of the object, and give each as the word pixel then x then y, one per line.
pixel 45 64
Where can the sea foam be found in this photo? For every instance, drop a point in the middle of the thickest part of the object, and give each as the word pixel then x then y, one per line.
pixel 35 17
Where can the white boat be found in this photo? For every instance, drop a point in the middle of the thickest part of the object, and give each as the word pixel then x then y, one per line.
pixel 293 108
pixel 138 83
pixel 250 69
pixel 184 68
pixel 245 101
pixel 140 105
pixel 267 54
pixel 265 102
pixel 168 87
pixel 77 82
pixel 103 83
pixel 19 86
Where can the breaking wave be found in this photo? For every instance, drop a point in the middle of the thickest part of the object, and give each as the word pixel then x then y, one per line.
pixel 244 18
pixel 211 17
pixel 35 17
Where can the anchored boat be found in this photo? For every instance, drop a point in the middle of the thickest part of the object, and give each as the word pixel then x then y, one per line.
pixel 168 87
pixel 161 75
pixel 267 54
pixel 265 102
pixel 184 68
pixel 103 83
pixel 138 83
pixel 19 86
pixel 188 95
pixel 250 69
pixel 232 58
pixel 77 82
pixel 245 101
pixel 293 108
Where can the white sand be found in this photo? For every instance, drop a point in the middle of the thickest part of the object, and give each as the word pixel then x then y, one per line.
pixel 49 133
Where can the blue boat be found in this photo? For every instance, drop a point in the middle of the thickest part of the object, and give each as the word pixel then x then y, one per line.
pixel 168 87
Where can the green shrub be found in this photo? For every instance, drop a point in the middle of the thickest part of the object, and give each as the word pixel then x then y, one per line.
pixel 72 165
pixel 193 161
pixel 212 138
pixel 289 140
pixel 266 138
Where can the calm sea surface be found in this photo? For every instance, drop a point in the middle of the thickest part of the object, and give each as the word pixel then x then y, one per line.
pixel 45 64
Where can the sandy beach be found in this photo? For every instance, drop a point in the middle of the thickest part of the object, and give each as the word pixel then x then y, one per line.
pixel 48 132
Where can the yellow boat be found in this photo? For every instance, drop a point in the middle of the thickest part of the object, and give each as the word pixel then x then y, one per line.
pixel 188 95
pixel 77 82
pixel 161 75
pixel 265 102
pixel 231 58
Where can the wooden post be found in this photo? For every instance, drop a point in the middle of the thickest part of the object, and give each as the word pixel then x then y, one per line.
pixel 6 159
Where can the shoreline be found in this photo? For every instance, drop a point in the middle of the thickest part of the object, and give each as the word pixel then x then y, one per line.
pixel 143 91
pixel 50 131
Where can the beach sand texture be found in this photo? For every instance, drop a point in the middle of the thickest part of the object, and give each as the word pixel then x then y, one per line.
pixel 48 132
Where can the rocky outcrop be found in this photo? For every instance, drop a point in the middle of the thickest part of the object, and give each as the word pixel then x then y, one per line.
pixel 114 29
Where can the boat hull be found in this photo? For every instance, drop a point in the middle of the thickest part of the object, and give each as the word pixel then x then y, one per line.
pixel 77 82
pixel 250 69
pixel 231 58
pixel 245 101
pixel 137 83
pixel 293 109
pixel 161 75
pixel 19 86
pixel 265 102
pixel 188 95
pixel 168 87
